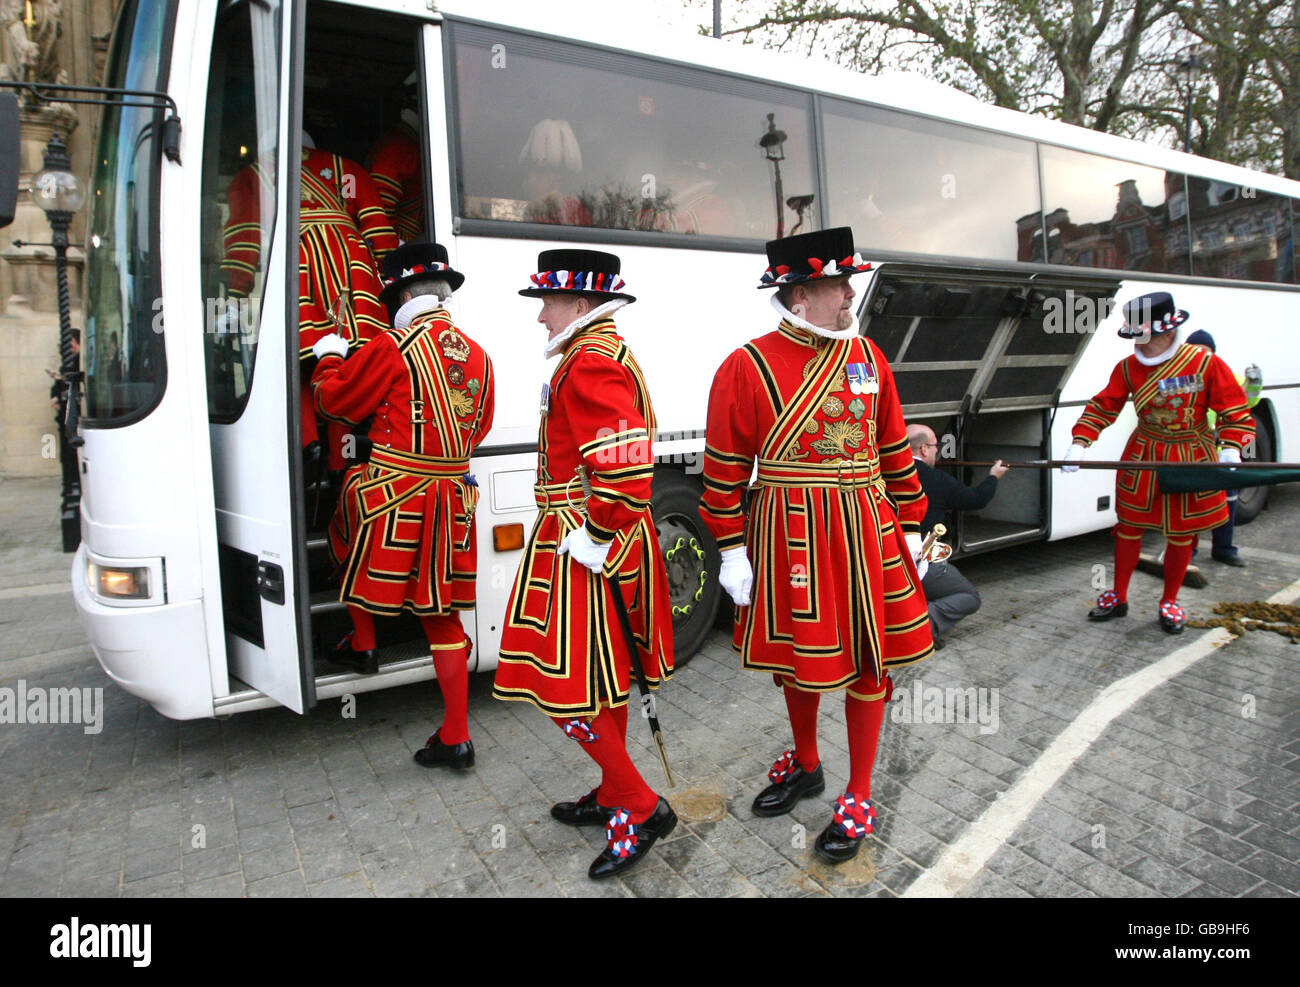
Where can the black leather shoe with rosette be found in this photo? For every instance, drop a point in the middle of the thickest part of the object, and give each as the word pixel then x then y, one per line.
pixel 629 842
pixel 1108 607
pixel 854 818
pixel 790 783
pixel 584 812
pixel 1173 618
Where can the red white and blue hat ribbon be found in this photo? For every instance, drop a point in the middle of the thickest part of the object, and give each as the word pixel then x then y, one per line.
pixel 430 268
pixel 577 281
pixel 783 274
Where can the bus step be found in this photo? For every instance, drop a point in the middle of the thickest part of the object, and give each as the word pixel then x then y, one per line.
pixel 326 601
pixel 315 544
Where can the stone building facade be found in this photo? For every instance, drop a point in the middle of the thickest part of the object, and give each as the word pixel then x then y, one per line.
pixel 46 40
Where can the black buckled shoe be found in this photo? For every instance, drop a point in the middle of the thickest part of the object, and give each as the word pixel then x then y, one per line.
pixel 629 842
pixel 435 753
pixel 584 812
pixel 1108 607
pixel 361 662
pixel 1173 618
pixel 790 783
pixel 840 841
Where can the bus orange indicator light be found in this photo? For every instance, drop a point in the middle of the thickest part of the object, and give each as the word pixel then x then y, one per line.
pixel 507 537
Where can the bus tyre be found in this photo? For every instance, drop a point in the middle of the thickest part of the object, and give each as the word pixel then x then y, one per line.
pixel 1252 500
pixel 691 557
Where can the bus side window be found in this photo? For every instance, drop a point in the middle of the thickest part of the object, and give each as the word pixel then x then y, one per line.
pixel 556 133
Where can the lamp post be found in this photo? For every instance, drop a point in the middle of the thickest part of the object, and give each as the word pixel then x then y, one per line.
pixel 1190 68
pixel 58 192
pixel 772 142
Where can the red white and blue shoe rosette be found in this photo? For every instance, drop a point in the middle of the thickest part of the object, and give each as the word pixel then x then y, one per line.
pixel 581 731
pixel 621 833
pixel 854 816
pixel 783 768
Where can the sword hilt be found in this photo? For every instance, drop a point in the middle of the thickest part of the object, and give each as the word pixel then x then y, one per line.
pixel 937 532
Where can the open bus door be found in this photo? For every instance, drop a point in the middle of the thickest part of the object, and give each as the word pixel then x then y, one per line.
pixel 251 152
pixel 981 355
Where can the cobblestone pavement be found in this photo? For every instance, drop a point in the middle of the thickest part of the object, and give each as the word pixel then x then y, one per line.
pixel 1192 791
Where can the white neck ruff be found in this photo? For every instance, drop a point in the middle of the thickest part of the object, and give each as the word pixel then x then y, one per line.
pixel 794 320
pixel 416 306
pixel 556 345
pixel 1155 361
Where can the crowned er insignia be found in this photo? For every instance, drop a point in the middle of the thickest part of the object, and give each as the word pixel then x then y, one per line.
pixel 454 346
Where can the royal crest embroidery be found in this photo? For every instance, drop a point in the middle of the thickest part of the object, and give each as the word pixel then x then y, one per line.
pixel 812 426
pixel 453 345
pixel 833 407
pixel 857 408
pixel 456 374
pixel 473 386
pixel 839 438
pixel 461 403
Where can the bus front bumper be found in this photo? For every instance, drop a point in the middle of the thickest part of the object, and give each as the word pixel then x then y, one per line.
pixel 157 653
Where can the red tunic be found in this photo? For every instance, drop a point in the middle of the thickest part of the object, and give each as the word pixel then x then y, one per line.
pixel 836 593
pixel 1171 400
pixel 394 164
pixel 339 206
pixel 562 648
pixel 403 532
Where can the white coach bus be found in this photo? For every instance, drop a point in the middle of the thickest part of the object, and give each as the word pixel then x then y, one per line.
pixel 1000 241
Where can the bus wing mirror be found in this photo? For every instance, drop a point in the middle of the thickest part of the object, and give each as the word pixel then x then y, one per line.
pixel 8 157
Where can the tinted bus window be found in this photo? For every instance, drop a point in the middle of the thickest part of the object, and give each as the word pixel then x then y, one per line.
pixel 123 354
pixel 1102 212
pixel 1240 233
pixel 562 134
pixel 909 183
pixel 239 196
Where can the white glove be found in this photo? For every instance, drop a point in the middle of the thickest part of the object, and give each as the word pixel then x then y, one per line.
pixel 1229 455
pixel 331 344
pixel 584 551
pixel 914 543
pixel 736 575
pixel 1074 454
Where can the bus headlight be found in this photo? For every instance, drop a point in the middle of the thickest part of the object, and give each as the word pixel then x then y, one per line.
pixel 124 582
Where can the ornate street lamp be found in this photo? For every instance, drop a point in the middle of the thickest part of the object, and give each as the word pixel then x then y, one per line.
pixel 59 193
pixel 1190 69
pixel 772 142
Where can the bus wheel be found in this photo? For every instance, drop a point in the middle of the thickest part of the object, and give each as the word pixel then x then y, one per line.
pixel 692 559
pixel 1251 500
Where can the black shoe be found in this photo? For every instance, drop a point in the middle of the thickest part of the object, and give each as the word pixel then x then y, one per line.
pixel 618 861
pixel 435 753
pixel 842 839
pixel 361 662
pixel 1236 561
pixel 584 812
pixel 833 846
pixel 781 796
pixel 1108 607
pixel 1172 618
pixel 938 641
